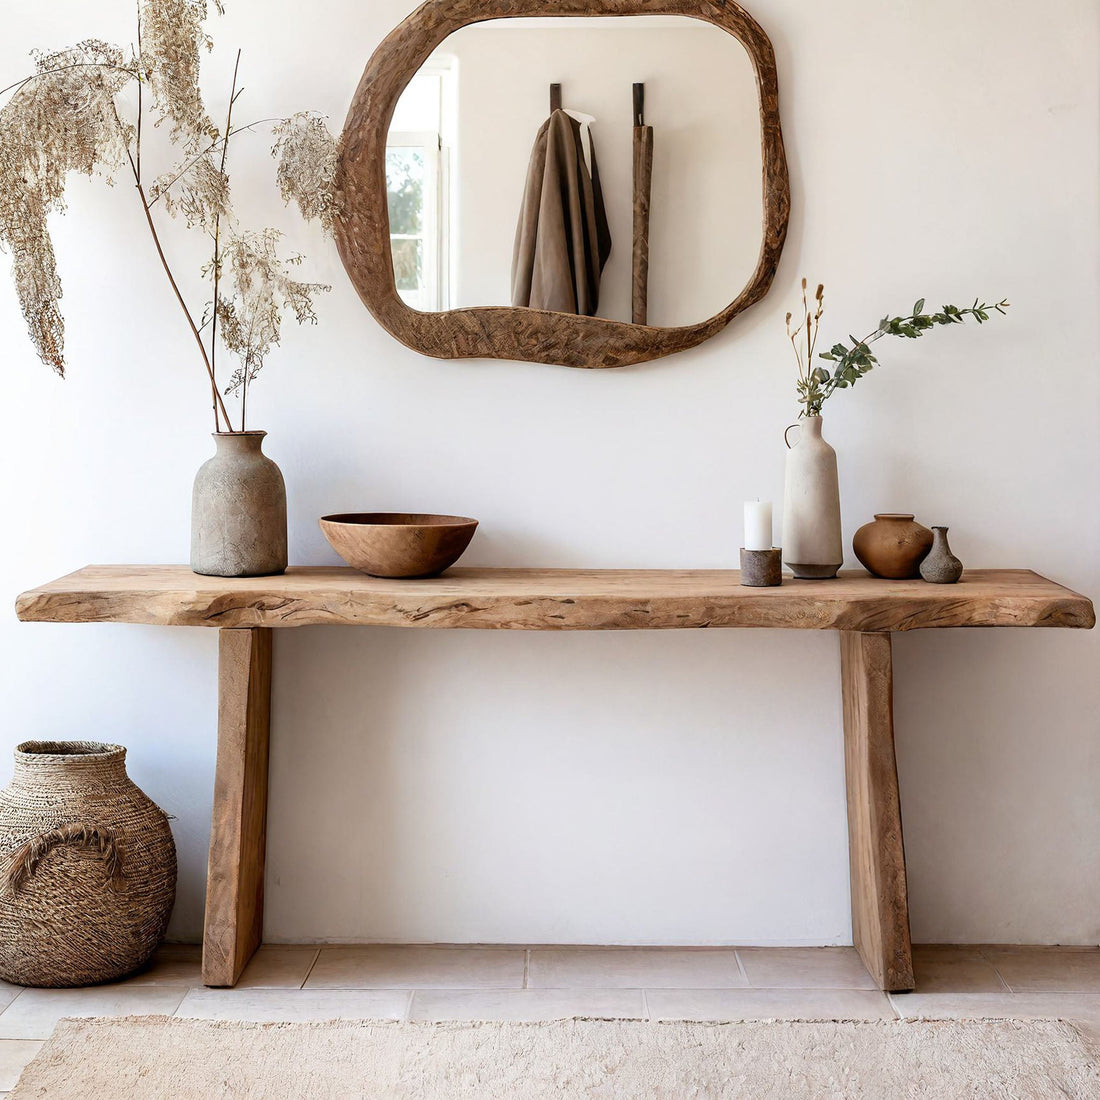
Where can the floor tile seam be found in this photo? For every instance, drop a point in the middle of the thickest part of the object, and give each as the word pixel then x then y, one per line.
pixel 143 987
pixel 1021 989
pixel 984 952
pixel 316 956
pixel 183 990
pixel 501 947
pixel 824 989
pixel 61 990
pixel 640 985
pixel 485 988
pixel 580 990
pixel 762 989
pixel 1092 993
pixel 741 967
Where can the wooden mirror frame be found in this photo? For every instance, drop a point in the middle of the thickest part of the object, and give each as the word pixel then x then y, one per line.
pixel 509 332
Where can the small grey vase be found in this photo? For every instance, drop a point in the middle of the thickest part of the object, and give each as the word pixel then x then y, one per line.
pixel 238 510
pixel 941 566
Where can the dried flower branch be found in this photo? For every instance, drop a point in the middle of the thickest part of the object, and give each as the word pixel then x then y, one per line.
pixel 171 34
pixel 61 120
pixel 307 158
pixel 251 319
pixel 806 331
pixel 197 192
pixel 64 118
pixel 817 384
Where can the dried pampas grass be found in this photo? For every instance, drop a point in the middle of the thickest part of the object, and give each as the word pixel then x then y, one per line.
pixel 66 117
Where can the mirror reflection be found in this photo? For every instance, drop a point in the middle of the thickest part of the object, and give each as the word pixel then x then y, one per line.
pixel 497 197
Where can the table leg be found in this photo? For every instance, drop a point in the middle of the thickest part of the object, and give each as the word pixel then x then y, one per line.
pixel 880 903
pixel 238 835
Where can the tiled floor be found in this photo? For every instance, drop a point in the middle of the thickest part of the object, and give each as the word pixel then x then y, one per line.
pixel 538 983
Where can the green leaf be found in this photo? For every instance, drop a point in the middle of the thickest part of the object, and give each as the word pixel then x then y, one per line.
pixel 919 306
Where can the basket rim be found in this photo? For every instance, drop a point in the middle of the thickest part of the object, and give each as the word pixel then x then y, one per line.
pixel 47 751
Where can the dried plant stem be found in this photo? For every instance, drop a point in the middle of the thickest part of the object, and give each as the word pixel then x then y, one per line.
pixel 140 111
pixel 218 403
pixel 245 377
pixel 217 233
pixel 136 166
pixel 70 122
pixel 209 149
pixel 244 400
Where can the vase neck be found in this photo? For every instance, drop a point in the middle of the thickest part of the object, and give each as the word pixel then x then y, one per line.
pixel 811 427
pixel 239 443
pixel 46 761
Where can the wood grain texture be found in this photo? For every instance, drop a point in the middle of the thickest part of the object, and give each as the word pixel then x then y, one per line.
pixel 880 902
pixel 501 332
pixel 551 599
pixel 238 836
pixel 643 187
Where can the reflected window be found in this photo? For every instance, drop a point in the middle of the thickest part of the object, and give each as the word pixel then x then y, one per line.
pixel 418 160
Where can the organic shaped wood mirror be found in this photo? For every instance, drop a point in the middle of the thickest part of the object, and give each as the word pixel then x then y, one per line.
pixel 590 183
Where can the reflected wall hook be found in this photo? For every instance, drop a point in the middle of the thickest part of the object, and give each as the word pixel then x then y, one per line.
pixel 639 104
pixel 555 98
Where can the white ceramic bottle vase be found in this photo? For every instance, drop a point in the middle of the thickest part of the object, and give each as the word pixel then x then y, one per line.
pixel 813 546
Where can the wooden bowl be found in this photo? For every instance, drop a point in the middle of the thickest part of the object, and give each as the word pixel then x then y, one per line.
pixel 398 544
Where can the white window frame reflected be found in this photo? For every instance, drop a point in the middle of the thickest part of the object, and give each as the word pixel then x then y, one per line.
pixel 435 144
pixel 431 295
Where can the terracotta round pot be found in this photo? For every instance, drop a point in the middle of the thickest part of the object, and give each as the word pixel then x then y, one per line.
pixel 893 546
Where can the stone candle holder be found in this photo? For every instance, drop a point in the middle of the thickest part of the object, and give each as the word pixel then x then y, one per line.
pixel 762 568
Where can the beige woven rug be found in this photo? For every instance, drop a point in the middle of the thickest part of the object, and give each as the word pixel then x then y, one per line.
pixel 157 1056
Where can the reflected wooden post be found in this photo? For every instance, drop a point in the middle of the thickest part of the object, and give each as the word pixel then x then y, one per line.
pixel 643 188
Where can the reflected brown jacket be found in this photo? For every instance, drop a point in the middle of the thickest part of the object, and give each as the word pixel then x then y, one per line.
pixel 562 240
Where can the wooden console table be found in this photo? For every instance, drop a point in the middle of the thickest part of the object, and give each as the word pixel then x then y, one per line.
pixel 863 609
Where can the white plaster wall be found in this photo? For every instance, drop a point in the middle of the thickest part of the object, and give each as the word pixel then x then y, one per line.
pixel 617 788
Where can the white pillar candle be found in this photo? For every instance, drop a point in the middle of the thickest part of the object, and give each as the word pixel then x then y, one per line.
pixel 758 525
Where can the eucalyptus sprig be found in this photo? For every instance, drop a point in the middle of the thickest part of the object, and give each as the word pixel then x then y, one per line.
pixel 853 360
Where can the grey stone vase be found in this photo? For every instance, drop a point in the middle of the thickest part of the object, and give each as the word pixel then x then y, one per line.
pixel 238 510
pixel 941 566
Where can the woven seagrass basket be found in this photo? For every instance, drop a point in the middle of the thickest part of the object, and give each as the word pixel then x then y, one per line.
pixel 87 867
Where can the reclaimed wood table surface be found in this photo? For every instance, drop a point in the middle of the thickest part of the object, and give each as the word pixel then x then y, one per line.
pixel 864 610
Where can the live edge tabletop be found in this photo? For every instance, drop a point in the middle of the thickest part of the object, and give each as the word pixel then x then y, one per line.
pixel 863 610
pixel 550 599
